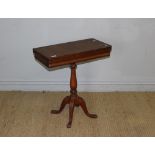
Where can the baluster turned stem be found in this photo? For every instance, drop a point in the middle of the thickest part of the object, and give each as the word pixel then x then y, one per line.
pixel 73 80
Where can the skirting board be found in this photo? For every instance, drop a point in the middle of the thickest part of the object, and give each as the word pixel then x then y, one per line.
pixel 88 86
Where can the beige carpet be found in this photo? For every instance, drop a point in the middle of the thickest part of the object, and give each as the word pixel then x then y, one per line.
pixel 119 114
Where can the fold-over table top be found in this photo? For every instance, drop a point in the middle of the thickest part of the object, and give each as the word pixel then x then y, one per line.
pixel 71 52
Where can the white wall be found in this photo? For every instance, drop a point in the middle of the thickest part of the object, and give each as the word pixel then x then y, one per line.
pixel 131 66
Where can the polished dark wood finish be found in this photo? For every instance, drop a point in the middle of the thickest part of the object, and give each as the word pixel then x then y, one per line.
pixel 72 53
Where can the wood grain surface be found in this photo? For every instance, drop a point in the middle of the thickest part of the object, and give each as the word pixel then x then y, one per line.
pixel 71 52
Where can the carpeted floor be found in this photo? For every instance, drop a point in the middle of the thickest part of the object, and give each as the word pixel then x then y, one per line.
pixel 119 114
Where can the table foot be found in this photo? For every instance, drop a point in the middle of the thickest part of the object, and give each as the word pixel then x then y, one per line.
pixel 69 124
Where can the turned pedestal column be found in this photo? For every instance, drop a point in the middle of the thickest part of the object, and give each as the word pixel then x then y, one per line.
pixel 73 100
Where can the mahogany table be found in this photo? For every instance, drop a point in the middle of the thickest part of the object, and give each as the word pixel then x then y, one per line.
pixel 72 53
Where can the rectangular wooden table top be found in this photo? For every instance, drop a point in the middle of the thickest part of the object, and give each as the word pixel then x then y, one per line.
pixel 71 52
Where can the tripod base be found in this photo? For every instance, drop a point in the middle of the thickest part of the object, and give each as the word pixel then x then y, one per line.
pixel 73 100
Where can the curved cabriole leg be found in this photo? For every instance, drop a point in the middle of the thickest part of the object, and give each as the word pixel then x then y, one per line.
pixel 63 104
pixel 84 107
pixel 71 110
